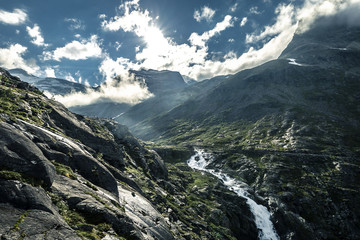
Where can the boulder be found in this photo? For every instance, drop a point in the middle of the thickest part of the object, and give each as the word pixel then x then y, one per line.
pixel 18 153
pixel 25 196
pixel 94 171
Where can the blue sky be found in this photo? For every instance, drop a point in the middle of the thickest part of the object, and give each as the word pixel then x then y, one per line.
pixel 92 41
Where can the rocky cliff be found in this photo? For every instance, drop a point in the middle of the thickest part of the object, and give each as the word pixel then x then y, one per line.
pixel 65 176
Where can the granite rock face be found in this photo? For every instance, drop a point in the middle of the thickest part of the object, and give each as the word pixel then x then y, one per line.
pixel 65 176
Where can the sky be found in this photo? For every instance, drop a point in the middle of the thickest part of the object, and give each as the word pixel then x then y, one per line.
pixel 91 41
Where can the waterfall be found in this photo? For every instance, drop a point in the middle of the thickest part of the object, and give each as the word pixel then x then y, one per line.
pixel 201 159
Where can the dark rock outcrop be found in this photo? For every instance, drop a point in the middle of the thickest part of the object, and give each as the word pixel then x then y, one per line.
pixel 18 153
pixel 67 176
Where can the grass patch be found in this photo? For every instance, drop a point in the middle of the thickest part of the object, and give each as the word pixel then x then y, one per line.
pixel 93 187
pixel 22 104
pixel 64 170
pixel 100 200
pixel 98 128
pixel 11 175
pixel 21 219
pixel 70 216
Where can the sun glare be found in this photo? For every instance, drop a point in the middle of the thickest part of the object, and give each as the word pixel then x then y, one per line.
pixel 155 39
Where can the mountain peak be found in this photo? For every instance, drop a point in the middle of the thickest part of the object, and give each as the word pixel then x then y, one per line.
pixel 325 44
pixel 159 82
pixel 20 71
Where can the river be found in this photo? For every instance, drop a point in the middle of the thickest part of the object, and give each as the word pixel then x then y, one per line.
pixel 200 161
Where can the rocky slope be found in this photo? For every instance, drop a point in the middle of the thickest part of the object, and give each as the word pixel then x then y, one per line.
pixel 65 176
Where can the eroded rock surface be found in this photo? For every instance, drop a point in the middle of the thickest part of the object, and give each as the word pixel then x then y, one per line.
pixel 65 176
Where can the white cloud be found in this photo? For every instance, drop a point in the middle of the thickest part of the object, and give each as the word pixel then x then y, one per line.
pixel 243 21
pixel 69 77
pixel 193 59
pixel 313 9
pixel 50 72
pixel 36 36
pixel 231 40
pixel 76 50
pixel 285 19
pixel 111 69
pixel 126 89
pixel 288 16
pixel 254 10
pixel 118 45
pixel 102 16
pixel 12 57
pixel 162 53
pixel 234 7
pixel 86 83
pixel 16 17
pixel 77 74
pixel 133 19
pixel 201 40
pixel 205 13
pixel 75 24
pixel 130 92
pixel 253 57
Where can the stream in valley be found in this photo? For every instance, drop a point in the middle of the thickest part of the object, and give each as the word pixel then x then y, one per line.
pixel 201 159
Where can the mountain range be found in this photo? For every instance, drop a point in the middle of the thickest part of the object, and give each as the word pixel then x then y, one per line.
pixel 51 85
pixel 287 130
pixel 157 82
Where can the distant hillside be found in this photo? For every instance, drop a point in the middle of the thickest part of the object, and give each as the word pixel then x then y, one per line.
pixel 312 81
pixel 160 83
pixel 51 85
pixel 162 103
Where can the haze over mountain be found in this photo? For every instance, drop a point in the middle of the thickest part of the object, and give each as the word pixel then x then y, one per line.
pixel 157 83
pixel 306 76
pixel 103 41
pixel 53 86
pixel 99 102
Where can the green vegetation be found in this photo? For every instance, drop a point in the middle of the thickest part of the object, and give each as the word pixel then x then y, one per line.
pixel 98 128
pixel 97 232
pixel 93 187
pixel 22 104
pixel 11 175
pixel 297 129
pixel 72 217
pixel 21 219
pixel 64 170
pixel 99 199
pixel 89 226
pixel 181 199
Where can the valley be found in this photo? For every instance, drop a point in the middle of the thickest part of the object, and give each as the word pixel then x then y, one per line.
pixel 270 152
